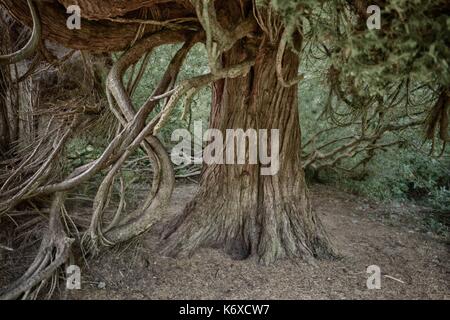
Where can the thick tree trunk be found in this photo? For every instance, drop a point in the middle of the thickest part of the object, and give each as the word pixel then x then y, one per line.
pixel 237 208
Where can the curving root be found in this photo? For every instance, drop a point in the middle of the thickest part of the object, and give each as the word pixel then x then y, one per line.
pixel 53 252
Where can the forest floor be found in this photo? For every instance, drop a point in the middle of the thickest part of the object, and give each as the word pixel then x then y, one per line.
pixel 414 263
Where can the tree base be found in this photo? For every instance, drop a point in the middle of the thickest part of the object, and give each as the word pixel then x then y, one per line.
pixel 270 233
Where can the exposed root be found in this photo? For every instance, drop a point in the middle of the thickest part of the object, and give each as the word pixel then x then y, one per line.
pixel 136 134
pixel 53 252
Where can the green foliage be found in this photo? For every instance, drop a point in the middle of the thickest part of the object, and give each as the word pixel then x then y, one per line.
pixel 406 174
pixel 413 43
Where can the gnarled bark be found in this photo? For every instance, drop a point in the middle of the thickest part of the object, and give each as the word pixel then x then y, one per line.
pixel 237 208
pixel 94 35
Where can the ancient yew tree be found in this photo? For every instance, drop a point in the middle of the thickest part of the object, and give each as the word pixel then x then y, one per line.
pixel 254 53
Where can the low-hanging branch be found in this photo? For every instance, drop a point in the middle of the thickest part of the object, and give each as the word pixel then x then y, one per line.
pixel 133 135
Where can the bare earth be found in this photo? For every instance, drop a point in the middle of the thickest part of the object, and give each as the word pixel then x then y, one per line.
pixel 418 262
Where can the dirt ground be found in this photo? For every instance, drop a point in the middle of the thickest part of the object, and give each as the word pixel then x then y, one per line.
pixel 414 264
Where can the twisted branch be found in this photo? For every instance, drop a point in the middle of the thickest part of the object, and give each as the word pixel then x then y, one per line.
pixel 31 45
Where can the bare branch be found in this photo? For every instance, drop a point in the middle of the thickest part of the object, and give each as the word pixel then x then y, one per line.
pixel 197 83
pixel 279 61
